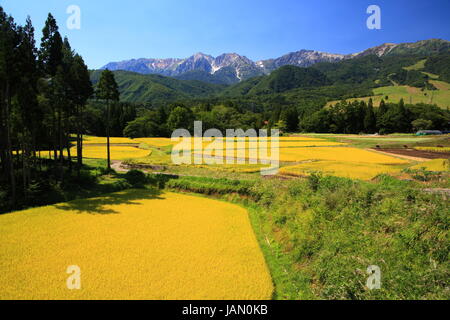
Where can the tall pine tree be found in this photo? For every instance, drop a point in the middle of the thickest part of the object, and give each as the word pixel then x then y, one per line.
pixel 107 90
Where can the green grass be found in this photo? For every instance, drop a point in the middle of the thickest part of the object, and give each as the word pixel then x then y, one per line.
pixel 431 75
pixel 441 97
pixel 159 156
pixel 208 186
pixel 319 236
pixel 418 66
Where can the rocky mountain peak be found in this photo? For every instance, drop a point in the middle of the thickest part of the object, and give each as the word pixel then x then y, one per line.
pixel 234 67
pixel 380 50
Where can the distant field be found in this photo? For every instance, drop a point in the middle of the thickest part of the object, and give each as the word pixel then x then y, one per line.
pixel 342 155
pixel 418 66
pixel 434 149
pixel 387 141
pixel 112 140
pixel 133 245
pixel 117 152
pixel 155 142
pixel 346 154
pixel 441 97
pixel 353 170
pixel 434 165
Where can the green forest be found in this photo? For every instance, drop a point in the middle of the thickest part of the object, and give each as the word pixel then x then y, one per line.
pixel 291 99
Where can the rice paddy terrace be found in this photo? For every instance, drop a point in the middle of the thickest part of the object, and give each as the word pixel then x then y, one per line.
pixel 144 244
pixel 133 245
pixel 349 156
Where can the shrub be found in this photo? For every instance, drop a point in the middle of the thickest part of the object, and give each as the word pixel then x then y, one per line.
pixel 3 201
pixel 160 180
pixel 210 185
pixel 136 178
pixel 314 180
pixel 104 171
pixel 86 178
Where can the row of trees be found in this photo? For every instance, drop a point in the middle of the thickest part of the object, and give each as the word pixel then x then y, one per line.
pixel 162 121
pixel 121 113
pixel 357 117
pixel 43 93
pixel 345 117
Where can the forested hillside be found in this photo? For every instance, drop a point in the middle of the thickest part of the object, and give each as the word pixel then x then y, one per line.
pixel 135 87
pixel 297 99
pixel 439 65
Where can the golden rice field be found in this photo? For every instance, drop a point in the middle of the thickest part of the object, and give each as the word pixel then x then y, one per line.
pixel 155 142
pixel 112 140
pixel 353 170
pixel 283 138
pixel 343 154
pixel 117 152
pixel 239 142
pixel 338 161
pixel 306 154
pixel 133 245
pixel 434 149
pixel 268 145
pixel 316 154
pixel 433 165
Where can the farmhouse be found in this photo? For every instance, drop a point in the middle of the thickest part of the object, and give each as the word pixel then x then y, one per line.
pixel 428 133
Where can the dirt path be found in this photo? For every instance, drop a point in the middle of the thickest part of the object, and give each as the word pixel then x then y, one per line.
pixel 118 166
pixel 399 155
pixel 411 154
pixel 444 191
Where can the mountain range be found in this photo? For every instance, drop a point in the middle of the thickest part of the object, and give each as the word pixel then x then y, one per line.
pixel 230 68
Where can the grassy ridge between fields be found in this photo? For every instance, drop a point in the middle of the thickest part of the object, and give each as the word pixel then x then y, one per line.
pixel 320 234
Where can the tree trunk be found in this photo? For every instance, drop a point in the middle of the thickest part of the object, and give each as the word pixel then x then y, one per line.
pixel 3 160
pixel 12 176
pixel 54 132
pixel 69 157
pixel 25 168
pixel 79 139
pixel 60 146
pixel 107 133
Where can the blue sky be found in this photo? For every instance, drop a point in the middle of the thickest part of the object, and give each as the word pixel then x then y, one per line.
pixel 116 30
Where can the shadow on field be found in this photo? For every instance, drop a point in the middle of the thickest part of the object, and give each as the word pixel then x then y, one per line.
pixel 97 205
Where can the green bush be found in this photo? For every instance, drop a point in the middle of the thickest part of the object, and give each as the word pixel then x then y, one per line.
pixel 160 180
pixel 136 178
pixel 210 185
pixel 85 178
pixel 314 180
